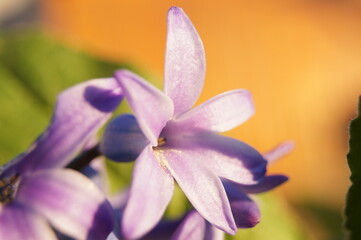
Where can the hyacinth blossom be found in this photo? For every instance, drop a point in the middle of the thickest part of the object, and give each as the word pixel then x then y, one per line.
pixel 36 195
pixel 245 211
pixel 174 141
pixel 193 226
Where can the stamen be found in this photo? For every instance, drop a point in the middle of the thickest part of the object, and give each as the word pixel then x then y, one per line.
pixel 7 189
pixel 161 141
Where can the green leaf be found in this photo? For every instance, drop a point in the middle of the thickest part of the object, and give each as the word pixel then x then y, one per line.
pixel 325 221
pixel 119 175
pixel 353 204
pixel 34 69
pixel 21 117
pixel 178 205
pixel 46 67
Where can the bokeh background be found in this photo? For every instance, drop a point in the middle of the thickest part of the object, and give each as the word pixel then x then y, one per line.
pixel 301 60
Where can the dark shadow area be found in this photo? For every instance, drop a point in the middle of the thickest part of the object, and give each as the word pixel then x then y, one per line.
pixel 328 219
pixel 102 224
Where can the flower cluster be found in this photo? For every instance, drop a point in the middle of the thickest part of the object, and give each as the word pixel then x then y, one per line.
pixel 44 195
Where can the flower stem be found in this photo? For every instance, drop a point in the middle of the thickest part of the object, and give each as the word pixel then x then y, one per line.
pixel 84 158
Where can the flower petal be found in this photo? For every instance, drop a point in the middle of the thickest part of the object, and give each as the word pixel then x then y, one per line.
pixel 245 212
pixel 213 233
pixel 201 186
pixel 163 231
pixel 219 114
pixel 113 236
pixel 227 157
pixel 79 113
pixel 152 108
pixel 150 192
pixel 123 140
pixel 193 227
pixel 184 61
pixel 70 201
pixel 266 184
pixel 18 222
pixel 279 151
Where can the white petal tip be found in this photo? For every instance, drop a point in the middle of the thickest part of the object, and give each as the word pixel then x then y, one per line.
pixel 175 10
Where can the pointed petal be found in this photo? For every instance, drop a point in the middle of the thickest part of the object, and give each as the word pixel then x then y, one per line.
pixel 70 201
pixel 202 187
pixel 246 212
pixel 219 114
pixel 152 108
pixel 227 157
pixel 266 184
pixel 123 140
pixel 151 190
pixel 279 151
pixel 79 113
pixel 184 61
pixel 18 222
pixel 193 227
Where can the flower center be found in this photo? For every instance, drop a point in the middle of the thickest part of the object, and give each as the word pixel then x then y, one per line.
pixel 161 141
pixel 7 189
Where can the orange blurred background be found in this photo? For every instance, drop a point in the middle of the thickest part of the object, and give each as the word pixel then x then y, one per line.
pixel 300 59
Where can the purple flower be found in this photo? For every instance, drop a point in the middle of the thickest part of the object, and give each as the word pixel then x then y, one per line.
pixel 34 191
pixel 177 142
pixel 245 211
pixel 195 227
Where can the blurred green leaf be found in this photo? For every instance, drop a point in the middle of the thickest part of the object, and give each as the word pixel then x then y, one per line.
pixel 119 175
pixel 324 221
pixel 34 69
pixel 21 117
pixel 178 205
pixel 46 67
pixel 353 204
